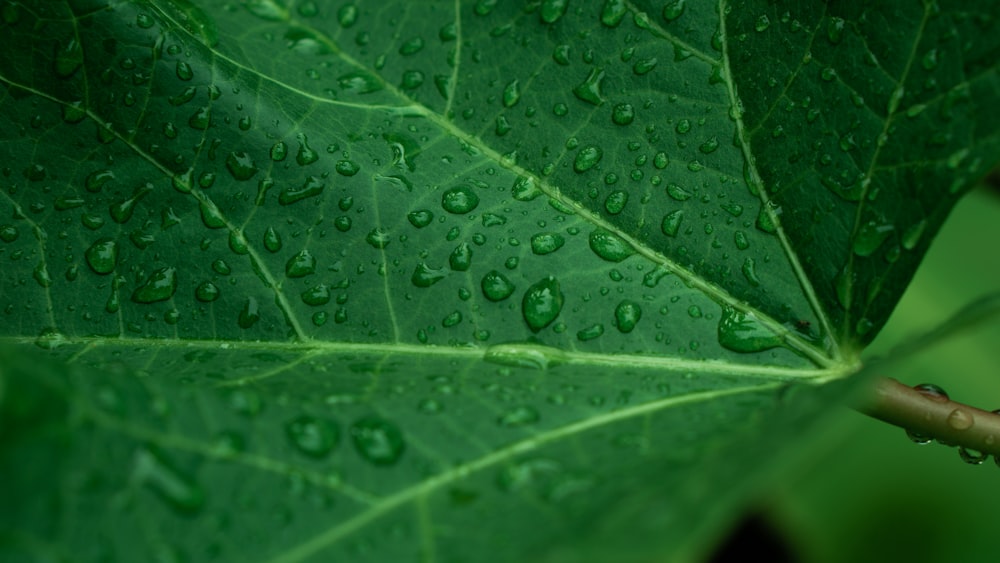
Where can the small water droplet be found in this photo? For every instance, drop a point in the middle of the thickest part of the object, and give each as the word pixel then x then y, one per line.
pixel 546 243
pixel 313 186
pixel 518 416
pixel 177 489
pixel 511 94
pixel 240 165
pixel 673 10
pixel 184 71
pixel 932 392
pixel 206 292
pixel 613 12
pixel 305 155
pixel 460 259
pixel 378 238
pixel 961 419
pixel 272 240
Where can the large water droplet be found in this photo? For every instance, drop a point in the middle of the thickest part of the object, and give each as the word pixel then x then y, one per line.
pixel 378 440
pixel 521 415
pixel 613 12
pixel 459 199
pixel 542 303
pixel 206 292
pixel 587 158
pixel 420 218
pixel 870 237
pixel 511 94
pixel 460 259
pixel 240 165
pixel 306 155
pixel 315 437
pixel 609 246
pixel 102 256
pixel 249 314
pixel 313 186
pixel 546 243
pixel 590 89
pixel 300 265
pixel 425 276
pixel 159 286
pixel 742 332
pixel 627 315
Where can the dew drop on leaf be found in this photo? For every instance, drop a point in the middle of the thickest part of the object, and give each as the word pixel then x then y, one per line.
pixel 542 303
pixel 300 265
pixel 420 218
pixel 496 286
pixel 587 158
pixel 613 12
pixel 379 441
pixel 460 259
pixel 742 332
pixel 590 89
pixel 159 286
pixel 180 491
pixel 240 166
pixel 102 256
pixel 546 243
pixel 591 332
pixel 608 246
pixel 459 200
pixel 249 314
pixel 425 276
pixel 272 240
pixel 521 415
pixel 314 437
pixel 673 10
pixel 627 315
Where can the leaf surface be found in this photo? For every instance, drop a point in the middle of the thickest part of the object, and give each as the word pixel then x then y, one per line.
pixel 333 280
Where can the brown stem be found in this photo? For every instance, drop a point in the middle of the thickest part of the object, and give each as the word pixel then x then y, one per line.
pixel 940 418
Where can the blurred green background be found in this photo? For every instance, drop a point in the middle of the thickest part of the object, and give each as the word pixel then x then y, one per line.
pixel 863 491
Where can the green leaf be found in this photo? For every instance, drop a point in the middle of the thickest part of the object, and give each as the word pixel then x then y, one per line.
pixel 326 280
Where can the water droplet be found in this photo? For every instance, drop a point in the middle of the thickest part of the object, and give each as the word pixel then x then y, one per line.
pixel 122 211
pixel 709 146
pixel 8 233
pixel 972 457
pixel 315 437
pixel 740 331
pixel 870 237
pixel 522 415
pixel 511 94
pixel 412 79
pixel 420 218
pixel 835 30
pixel 178 490
pixel 546 243
pixel 378 440
pixel 644 66
pixel 411 46
pixel 359 82
pixel 305 155
pixel 316 295
pixel 459 199
pixel 911 237
pixel 347 15
pixel 960 419
pixel 613 12
pixel 102 256
pixel 159 286
pixel 184 71
pixel 460 259
pixel 552 10
pixel 524 189
pixel 609 246
pixel 932 392
pixel 762 23
pixel 496 286
pixel 616 201
pixel 378 238
pixel 590 333
pixel 200 119
pixel 279 151
pixel 347 168
pixel 313 186
pixel 587 158
pixel 561 54
pixel 300 265
pixel 272 240
pixel 41 275
pixel 240 165
pixel 678 193
pixel 590 89
pixel 542 303
pixel 673 10
pixel 627 315
pixel 206 292
pixel 425 276
pixel 249 314
pixel 661 160
pixel 68 58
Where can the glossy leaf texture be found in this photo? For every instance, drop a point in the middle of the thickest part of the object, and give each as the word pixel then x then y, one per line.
pixel 331 280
